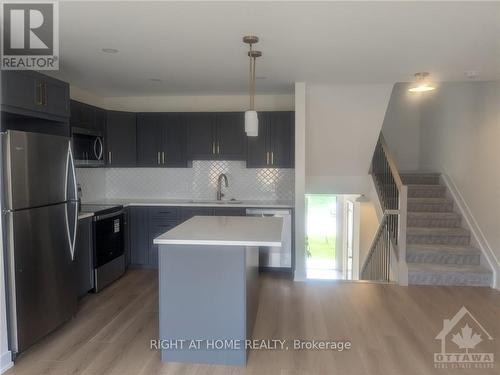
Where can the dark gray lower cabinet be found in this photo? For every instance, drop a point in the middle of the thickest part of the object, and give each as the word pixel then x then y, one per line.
pixel 229 211
pixel 83 257
pixel 126 232
pixel 187 213
pixel 147 223
pixel 139 235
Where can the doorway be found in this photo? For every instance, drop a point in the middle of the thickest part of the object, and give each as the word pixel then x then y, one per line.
pixel 321 237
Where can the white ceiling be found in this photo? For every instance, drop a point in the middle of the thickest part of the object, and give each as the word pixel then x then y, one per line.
pixel 196 48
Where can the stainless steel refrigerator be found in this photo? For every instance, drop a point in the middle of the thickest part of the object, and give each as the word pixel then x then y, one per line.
pixel 41 216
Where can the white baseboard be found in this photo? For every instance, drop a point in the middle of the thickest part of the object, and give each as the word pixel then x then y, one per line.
pixel 476 231
pixel 5 361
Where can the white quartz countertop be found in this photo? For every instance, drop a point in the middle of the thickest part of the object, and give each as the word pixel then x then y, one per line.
pixel 194 203
pixel 84 215
pixel 225 230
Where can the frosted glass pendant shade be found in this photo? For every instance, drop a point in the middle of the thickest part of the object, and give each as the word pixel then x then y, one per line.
pixel 251 124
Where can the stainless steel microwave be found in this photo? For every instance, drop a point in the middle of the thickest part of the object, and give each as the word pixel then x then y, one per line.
pixel 88 147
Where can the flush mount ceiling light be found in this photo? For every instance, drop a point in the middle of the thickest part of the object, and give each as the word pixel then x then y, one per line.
pixel 109 50
pixel 362 199
pixel 251 117
pixel 422 83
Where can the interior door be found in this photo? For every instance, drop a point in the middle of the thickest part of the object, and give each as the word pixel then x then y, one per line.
pixel 149 140
pixel 42 273
pixel 231 137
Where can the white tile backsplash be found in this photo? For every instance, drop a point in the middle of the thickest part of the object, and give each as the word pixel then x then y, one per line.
pixel 198 182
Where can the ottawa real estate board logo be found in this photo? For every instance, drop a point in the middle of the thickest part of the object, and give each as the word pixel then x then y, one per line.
pixel 30 35
pixel 465 343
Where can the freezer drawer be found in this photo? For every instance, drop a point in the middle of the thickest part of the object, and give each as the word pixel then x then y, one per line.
pixel 35 169
pixel 41 278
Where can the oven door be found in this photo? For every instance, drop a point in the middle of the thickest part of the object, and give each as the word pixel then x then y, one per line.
pixel 108 238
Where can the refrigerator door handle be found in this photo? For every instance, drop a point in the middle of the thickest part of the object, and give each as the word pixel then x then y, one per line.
pixel 72 200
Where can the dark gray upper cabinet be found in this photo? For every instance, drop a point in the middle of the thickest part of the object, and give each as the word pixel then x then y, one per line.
pixel 257 147
pixel 274 146
pixel 86 116
pixel 201 136
pixel 33 94
pixel 282 139
pixel 121 139
pixel 149 140
pixel 161 140
pixel 174 131
pixel 230 135
pixel 216 136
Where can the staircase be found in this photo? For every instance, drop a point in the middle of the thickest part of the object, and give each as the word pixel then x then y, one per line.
pixel 438 249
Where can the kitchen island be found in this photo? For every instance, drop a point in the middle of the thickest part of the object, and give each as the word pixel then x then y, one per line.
pixel 208 276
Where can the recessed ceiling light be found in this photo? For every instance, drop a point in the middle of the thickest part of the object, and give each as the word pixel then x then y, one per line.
pixel 422 83
pixel 472 74
pixel 109 50
pixel 155 80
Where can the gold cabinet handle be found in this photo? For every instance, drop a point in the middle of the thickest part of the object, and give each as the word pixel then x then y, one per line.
pixel 38 93
pixel 158 157
pixel 163 156
pixel 267 158
pixel 44 97
pixel 213 147
pixel 109 156
pixel 218 147
pixel 272 157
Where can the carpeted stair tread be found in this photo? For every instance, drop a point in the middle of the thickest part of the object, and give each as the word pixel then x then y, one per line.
pixel 438 231
pixel 443 248
pixel 448 274
pixel 442 254
pixel 420 178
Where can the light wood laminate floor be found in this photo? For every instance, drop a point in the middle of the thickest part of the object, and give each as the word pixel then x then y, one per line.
pixel 392 330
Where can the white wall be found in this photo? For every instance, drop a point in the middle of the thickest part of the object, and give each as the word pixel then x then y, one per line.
pixel 343 123
pixel 368 225
pixel 401 127
pixel 209 103
pixel 300 180
pixel 460 137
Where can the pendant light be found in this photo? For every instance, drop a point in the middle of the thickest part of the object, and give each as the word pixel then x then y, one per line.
pixel 251 117
pixel 422 83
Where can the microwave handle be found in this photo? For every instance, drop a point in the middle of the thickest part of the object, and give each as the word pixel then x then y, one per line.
pixel 98 155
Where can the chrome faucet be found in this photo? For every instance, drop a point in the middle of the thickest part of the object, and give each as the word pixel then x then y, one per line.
pixel 221 177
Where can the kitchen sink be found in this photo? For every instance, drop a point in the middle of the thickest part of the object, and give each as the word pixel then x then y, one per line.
pixel 213 201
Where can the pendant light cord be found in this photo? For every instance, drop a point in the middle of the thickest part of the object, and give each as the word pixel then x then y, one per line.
pixel 251 80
